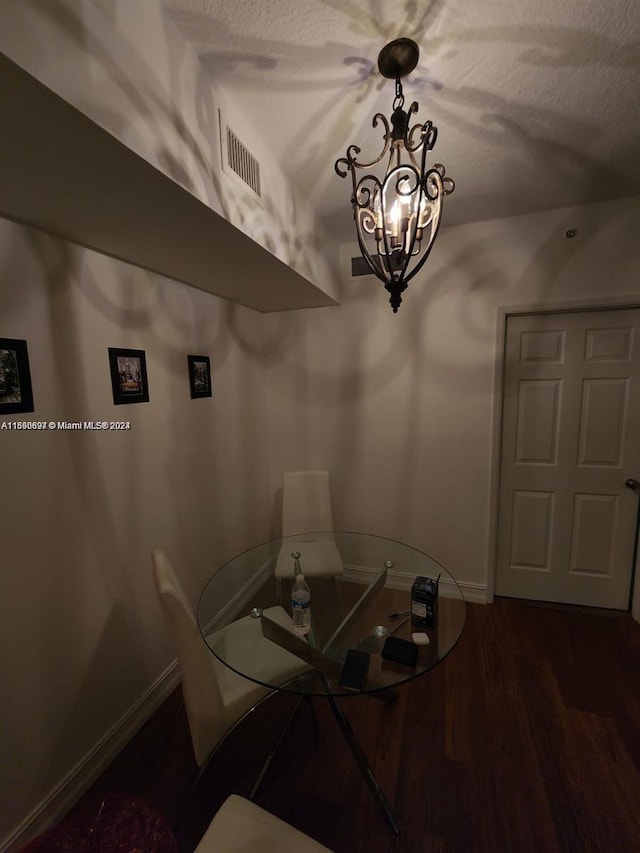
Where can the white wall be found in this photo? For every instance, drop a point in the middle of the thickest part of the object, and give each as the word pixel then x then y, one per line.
pixel 81 632
pixel 401 408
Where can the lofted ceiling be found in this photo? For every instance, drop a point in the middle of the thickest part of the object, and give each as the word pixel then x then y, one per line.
pixel 536 101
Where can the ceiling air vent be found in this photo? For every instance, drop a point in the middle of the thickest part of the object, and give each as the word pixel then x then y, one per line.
pixel 238 162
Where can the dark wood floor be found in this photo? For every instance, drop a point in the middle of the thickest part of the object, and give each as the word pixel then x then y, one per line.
pixel 526 738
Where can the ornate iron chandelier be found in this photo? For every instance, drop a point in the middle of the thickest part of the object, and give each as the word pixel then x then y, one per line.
pixel 398 214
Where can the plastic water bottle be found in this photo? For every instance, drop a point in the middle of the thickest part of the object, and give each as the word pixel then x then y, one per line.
pixel 300 600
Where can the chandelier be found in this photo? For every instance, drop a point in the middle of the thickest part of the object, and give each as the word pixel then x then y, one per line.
pixel 397 213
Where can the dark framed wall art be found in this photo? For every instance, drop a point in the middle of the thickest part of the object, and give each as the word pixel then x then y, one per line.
pixel 15 377
pixel 199 376
pixel 128 376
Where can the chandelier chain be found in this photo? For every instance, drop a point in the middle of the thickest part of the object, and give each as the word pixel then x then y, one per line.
pixel 398 101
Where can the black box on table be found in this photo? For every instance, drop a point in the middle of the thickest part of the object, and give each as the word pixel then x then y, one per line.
pixel 424 603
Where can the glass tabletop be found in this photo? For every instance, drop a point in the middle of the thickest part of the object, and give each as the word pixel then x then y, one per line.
pixel 361 601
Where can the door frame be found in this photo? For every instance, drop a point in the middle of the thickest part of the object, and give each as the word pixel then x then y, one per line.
pixel 503 312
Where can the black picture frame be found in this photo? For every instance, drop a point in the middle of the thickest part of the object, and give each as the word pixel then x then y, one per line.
pixel 129 381
pixel 16 394
pixel 200 376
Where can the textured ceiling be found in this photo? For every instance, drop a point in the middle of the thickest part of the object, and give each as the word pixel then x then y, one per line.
pixel 536 101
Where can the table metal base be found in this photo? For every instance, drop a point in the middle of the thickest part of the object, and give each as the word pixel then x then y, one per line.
pixel 354 746
pixel 360 758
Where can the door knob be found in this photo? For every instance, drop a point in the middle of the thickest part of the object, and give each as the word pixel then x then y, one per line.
pixel 632 484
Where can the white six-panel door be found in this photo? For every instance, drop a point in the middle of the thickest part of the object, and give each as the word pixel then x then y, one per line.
pixel 570 438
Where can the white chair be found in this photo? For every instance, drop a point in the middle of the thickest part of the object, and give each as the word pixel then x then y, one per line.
pixel 242 827
pixel 215 697
pixel 306 509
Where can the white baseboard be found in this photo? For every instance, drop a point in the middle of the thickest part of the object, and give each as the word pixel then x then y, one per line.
pixel 80 778
pixel 472 592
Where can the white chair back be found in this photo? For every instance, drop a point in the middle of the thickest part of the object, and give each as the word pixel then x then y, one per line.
pixel 306 509
pixel 241 826
pixel 202 696
pixel 306 502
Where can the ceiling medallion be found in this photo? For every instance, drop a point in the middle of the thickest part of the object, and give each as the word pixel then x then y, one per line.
pixel 398 214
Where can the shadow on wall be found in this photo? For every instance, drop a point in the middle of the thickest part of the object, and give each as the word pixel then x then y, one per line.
pixel 89 560
pixel 474 276
pixel 95 551
pixel 214 452
pixel 60 267
pixel 350 368
pixel 160 115
pixel 170 321
pixel 96 706
pixel 191 162
pixel 276 340
pixel 544 281
pixel 353 363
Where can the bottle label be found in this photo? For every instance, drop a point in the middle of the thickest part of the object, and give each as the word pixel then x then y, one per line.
pixel 300 605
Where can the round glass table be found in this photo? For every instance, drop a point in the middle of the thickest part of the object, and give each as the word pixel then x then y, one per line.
pixel 354 607
pixel 362 621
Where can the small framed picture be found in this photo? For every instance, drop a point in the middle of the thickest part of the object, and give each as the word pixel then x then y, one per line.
pixel 15 377
pixel 128 376
pixel 199 376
